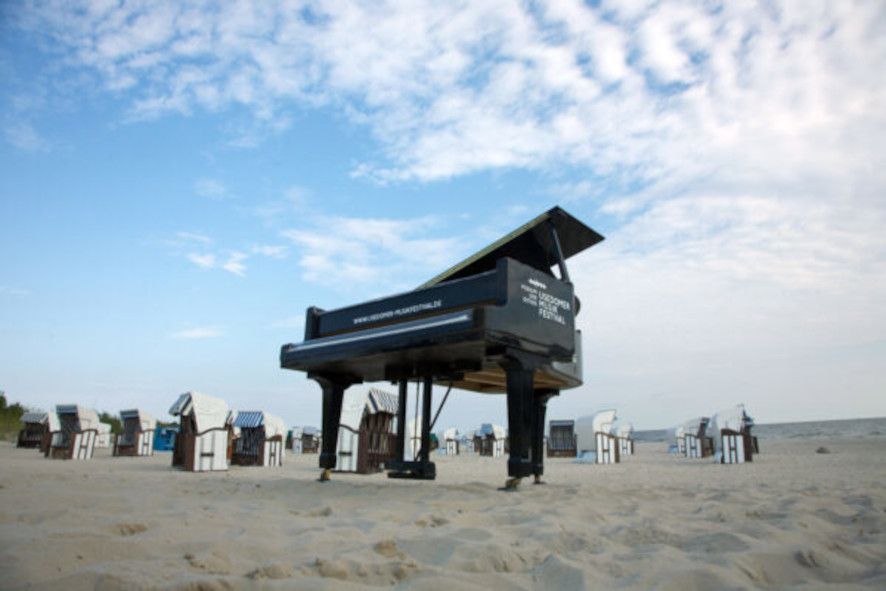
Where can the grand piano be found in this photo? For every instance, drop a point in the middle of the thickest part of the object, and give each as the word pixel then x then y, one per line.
pixel 499 321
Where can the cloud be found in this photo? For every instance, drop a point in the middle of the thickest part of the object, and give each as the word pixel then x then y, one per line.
pixel 204 261
pixel 203 332
pixel 210 188
pixel 296 195
pixel 281 211
pixel 23 136
pixel 655 91
pixel 271 251
pixel 355 252
pixel 234 264
pixel 13 291
pixel 193 237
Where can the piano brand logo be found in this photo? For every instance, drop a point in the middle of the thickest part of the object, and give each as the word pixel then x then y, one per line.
pixel 406 311
pixel 537 284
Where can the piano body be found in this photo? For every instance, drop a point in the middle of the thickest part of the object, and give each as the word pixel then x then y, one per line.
pixel 499 321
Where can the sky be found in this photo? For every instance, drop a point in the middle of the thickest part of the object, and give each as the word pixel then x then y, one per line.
pixel 179 181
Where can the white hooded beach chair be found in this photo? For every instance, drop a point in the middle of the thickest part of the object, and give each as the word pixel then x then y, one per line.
pixel 730 430
pixel 412 443
pixel 624 434
pixel 451 440
pixel 103 436
pixel 35 428
pixel 295 440
pixel 137 438
pixel 697 442
pixel 53 431
pixel 489 440
pixel 75 438
pixel 305 440
pixel 204 435
pixel 466 443
pixel 366 436
pixel 680 440
pixel 261 440
pixel 593 435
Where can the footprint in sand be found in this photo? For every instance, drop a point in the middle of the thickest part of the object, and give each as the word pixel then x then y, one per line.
pixel 388 548
pixel 432 521
pixel 271 571
pixel 389 573
pixel 215 563
pixel 129 529
pixel 324 512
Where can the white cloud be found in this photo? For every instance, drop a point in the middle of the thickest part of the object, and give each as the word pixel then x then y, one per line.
pixel 282 211
pixel 23 136
pixel 234 263
pixel 193 237
pixel 204 261
pixel 355 252
pixel 296 195
pixel 453 89
pixel 202 332
pixel 271 251
pixel 13 291
pixel 211 188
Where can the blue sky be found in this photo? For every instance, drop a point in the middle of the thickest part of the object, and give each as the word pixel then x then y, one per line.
pixel 179 181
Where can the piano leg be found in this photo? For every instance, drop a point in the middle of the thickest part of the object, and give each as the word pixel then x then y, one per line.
pixel 426 421
pixel 538 432
pixel 333 393
pixel 519 374
pixel 419 467
pixel 401 420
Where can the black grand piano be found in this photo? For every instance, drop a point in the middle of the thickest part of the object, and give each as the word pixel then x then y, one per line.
pixel 499 321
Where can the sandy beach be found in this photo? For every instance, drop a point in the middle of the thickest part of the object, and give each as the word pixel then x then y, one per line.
pixel 791 518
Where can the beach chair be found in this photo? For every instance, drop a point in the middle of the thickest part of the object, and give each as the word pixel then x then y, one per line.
pixel 594 439
pixel 561 441
pixel 489 440
pixel 204 433
pixel 731 433
pixel 366 436
pixel 295 440
pixel 76 435
pixel 310 441
pixel 697 442
pixel 164 438
pixel 261 439
pixel 137 438
pixel 35 426
pixel 451 440
pixel 624 434
pixel 680 440
pixel 103 435
pixel 305 440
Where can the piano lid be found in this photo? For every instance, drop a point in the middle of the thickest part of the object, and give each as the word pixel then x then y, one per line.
pixel 530 244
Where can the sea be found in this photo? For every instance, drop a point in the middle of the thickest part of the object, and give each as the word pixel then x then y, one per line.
pixel 871 427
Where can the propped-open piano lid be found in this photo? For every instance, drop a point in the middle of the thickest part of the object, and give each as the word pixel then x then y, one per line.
pixel 531 244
